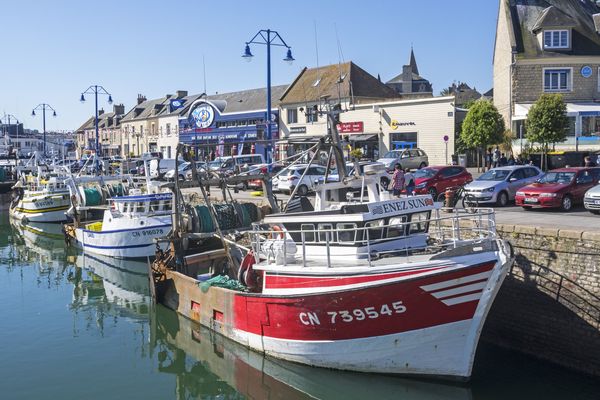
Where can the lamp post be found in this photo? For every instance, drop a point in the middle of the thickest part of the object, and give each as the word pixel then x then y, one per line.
pixel 44 107
pixel 96 90
pixel 268 38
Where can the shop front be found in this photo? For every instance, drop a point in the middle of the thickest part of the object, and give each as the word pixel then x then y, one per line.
pixel 214 133
pixel 356 137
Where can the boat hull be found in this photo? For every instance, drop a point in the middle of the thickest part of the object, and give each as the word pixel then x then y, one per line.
pixel 48 209
pixel 123 243
pixel 426 325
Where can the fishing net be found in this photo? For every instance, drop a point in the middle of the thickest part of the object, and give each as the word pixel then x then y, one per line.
pixel 222 281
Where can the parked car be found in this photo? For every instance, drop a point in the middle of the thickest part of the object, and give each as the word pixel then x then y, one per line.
pixel 559 188
pixel 407 158
pixel 591 200
pixel 500 185
pixel 290 178
pixel 185 171
pixel 334 175
pixel 257 183
pixel 435 180
pixel 244 162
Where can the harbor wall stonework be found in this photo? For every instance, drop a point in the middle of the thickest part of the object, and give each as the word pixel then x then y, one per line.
pixel 549 304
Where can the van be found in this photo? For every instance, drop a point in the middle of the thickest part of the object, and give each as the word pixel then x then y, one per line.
pixel 236 164
pixel 152 154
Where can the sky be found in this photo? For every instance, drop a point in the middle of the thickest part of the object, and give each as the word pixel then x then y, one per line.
pixel 52 51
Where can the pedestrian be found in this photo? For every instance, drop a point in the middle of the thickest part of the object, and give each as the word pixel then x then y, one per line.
pixel 488 159
pixel 495 157
pixel 511 160
pixel 410 182
pixel 588 162
pixel 503 161
pixel 397 181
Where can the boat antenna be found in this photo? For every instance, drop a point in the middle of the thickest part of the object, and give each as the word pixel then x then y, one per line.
pixel 204 72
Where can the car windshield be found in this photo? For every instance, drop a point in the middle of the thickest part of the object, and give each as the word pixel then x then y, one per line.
pixel 392 154
pixel 425 173
pixel 494 175
pixel 557 177
pixel 215 164
pixel 183 166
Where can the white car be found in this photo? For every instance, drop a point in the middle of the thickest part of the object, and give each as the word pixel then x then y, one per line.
pixel 292 177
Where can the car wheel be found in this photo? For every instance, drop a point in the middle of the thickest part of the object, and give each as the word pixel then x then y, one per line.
pixel 595 212
pixel 245 186
pixel 432 192
pixel 567 203
pixel 526 208
pixel 423 165
pixel 302 190
pixel 502 199
pixel 181 178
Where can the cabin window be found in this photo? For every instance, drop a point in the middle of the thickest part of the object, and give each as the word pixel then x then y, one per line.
pixel 309 232
pixel 375 230
pixel 326 230
pixel 419 222
pixel 346 233
pixel 154 205
pixel 140 207
pixel 397 227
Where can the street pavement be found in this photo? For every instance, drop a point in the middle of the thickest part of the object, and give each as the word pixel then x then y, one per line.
pixel 578 218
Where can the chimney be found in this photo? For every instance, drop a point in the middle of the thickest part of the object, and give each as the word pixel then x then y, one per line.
pixel 168 96
pixel 100 111
pixel 596 18
pixel 181 93
pixel 119 109
pixel 141 98
pixel 407 79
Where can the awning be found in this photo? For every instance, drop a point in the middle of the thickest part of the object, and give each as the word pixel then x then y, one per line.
pixel 303 139
pixel 362 138
pixel 573 110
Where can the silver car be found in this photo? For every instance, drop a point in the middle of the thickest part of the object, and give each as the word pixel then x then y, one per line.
pixel 499 185
pixel 407 158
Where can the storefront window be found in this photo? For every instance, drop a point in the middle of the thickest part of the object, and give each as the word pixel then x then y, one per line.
pixel 590 126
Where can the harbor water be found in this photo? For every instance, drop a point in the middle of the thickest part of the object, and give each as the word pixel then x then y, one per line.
pixel 77 326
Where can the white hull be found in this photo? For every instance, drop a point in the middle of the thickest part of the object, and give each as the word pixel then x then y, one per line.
pixel 124 243
pixel 51 209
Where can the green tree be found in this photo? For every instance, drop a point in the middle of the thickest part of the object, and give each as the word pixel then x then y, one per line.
pixel 547 122
pixel 483 126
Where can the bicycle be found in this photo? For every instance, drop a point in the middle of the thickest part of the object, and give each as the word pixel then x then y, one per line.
pixel 468 200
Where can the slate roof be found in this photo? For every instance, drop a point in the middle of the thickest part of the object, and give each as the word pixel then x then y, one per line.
pixel 526 17
pixel 249 100
pixel 333 82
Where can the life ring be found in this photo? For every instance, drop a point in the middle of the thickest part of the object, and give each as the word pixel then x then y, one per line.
pixel 247 275
pixel 276 228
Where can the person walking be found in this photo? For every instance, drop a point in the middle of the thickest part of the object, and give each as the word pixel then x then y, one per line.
pixel 488 158
pixel 397 181
pixel 495 157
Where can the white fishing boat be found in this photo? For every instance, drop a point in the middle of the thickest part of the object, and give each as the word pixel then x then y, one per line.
pixel 41 198
pixel 130 225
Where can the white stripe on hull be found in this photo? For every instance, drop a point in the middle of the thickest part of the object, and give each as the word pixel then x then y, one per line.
pixel 127 244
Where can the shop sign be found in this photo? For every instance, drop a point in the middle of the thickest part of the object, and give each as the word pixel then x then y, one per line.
pixel 203 116
pixel 351 127
pixel 395 124
pixel 298 129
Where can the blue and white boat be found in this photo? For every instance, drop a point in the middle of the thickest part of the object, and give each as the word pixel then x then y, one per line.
pixel 130 226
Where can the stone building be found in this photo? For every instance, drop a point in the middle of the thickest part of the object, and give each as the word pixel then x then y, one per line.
pixel 549 46
pixel 409 84
pixel 109 132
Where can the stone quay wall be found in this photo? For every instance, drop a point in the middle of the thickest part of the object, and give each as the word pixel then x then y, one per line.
pixel 549 304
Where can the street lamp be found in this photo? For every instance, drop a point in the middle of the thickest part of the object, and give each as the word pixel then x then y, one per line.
pixel 268 38
pixel 96 90
pixel 44 107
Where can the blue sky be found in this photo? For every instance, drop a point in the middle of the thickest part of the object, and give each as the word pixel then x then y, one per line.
pixel 52 51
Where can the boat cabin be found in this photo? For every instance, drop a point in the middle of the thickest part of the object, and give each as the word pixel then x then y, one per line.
pixel 137 204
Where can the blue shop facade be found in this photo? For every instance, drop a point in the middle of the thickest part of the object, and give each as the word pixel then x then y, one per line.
pixel 213 132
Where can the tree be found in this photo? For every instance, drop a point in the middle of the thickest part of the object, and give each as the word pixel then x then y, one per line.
pixel 483 126
pixel 547 122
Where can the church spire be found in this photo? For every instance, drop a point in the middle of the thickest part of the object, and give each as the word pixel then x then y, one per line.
pixel 413 61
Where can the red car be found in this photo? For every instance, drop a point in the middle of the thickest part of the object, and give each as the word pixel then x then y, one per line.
pixel 559 188
pixel 435 180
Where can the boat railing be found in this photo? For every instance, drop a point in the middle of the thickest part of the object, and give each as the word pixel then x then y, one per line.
pixel 444 229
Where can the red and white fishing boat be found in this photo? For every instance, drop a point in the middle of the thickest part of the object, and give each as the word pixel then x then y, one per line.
pixel 372 284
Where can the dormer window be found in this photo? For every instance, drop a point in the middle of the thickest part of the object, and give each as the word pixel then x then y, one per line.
pixel 556 39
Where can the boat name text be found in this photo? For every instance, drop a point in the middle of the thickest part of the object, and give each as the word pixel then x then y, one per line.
pixel 401 205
